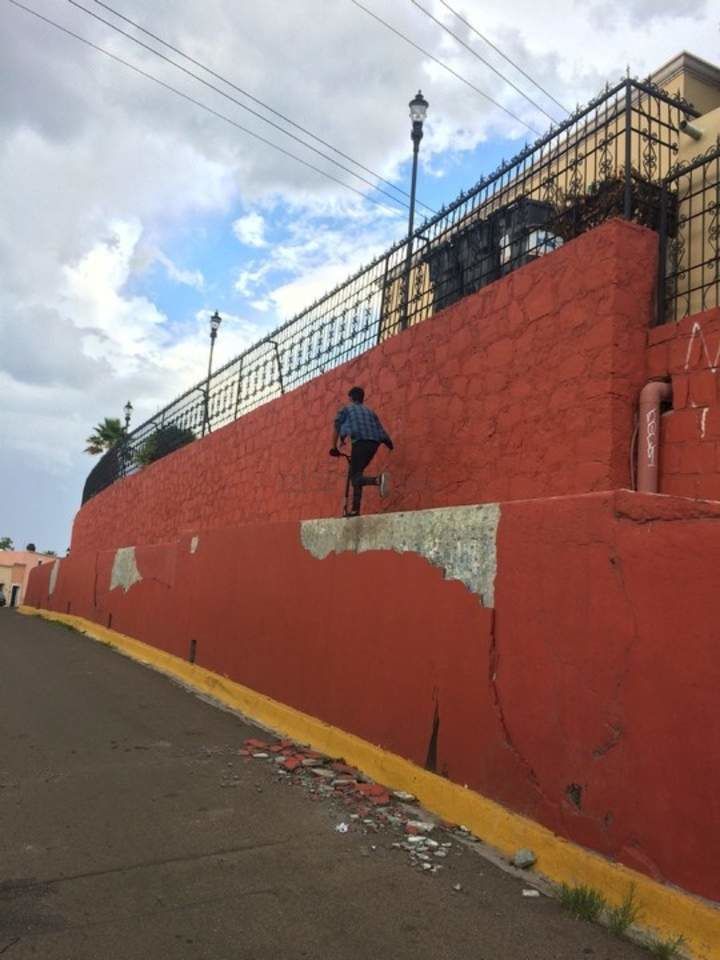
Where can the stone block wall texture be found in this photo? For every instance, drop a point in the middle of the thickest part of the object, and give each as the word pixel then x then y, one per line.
pixel 688 354
pixel 525 389
pixel 584 695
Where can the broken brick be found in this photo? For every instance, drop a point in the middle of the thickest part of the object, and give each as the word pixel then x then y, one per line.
pixel 322 772
pixel 371 789
pixel 344 769
pixel 380 799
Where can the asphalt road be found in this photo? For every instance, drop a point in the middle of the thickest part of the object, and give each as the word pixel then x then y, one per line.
pixel 130 829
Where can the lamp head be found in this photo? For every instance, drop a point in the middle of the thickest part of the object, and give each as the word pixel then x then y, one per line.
pixel 418 108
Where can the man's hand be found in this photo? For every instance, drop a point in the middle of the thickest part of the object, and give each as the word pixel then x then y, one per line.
pixel 334 452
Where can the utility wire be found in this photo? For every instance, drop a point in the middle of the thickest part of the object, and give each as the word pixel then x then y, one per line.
pixel 237 102
pixel 197 103
pixel 257 100
pixel 474 52
pixel 445 66
pixel 497 49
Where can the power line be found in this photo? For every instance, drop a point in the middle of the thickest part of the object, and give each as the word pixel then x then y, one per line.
pixel 503 55
pixel 237 102
pixel 197 103
pixel 474 52
pixel 255 99
pixel 445 66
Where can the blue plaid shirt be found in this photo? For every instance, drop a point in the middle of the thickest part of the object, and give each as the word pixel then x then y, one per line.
pixel 360 423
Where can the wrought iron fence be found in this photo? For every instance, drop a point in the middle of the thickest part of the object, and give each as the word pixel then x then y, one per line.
pixel 689 262
pixel 608 159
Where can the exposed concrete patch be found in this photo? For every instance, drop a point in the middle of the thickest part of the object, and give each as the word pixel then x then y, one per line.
pixel 54 576
pixel 124 570
pixel 459 540
pixel 194 543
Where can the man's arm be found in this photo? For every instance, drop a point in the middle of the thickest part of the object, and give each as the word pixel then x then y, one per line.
pixel 337 430
pixel 386 436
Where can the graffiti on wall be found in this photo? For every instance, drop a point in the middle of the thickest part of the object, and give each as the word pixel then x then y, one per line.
pixel 697 333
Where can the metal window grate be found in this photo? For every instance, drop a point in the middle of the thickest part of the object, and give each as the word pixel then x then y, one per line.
pixel 689 263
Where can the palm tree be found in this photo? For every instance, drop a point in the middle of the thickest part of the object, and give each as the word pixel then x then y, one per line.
pixel 107 434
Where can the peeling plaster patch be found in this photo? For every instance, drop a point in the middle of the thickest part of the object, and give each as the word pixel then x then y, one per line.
pixel 194 543
pixel 54 576
pixel 459 540
pixel 124 571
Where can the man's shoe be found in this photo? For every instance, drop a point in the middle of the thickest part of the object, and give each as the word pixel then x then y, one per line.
pixel 384 484
pixel 351 513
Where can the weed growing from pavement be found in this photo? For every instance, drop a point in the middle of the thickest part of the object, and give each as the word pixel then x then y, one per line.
pixel 621 917
pixel 666 949
pixel 583 902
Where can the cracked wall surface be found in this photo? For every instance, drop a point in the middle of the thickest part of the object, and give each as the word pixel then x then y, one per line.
pixel 553 701
pixel 124 571
pixel 461 541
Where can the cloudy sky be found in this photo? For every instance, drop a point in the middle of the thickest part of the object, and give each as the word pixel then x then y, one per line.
pixel 129 214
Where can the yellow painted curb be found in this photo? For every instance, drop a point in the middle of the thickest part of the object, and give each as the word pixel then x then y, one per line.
pixel 667 911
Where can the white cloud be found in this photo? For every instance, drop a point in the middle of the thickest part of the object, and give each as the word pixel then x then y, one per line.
pixel 188 278
pixel 102 171
pixel 250 230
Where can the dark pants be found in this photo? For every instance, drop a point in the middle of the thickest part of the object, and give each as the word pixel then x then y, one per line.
pixel 360 456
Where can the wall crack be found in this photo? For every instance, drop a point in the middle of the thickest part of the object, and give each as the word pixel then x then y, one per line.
pixel 493 666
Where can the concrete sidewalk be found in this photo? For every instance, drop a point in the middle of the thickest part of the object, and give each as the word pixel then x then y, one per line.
pixel 130 829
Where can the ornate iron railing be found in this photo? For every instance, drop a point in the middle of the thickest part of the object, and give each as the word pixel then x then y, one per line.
pixel 689 262
pixel 608 159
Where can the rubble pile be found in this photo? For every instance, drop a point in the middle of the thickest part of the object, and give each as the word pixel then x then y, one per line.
pixel 366 807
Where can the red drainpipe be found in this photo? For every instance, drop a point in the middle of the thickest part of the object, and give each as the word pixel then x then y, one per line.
pixel 651 395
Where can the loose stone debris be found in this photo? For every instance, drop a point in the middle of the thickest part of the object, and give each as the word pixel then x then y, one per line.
pixel 531 893
pixel 524 859
pixel 367 807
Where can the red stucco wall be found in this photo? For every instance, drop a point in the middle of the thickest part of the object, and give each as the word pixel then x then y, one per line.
pixel 597 667
pixel 688 354
pixel 525 389
pixel 595 674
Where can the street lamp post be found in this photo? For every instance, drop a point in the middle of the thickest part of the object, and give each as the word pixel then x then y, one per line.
pixel 418 111
pixel 126 455
pixel 215 321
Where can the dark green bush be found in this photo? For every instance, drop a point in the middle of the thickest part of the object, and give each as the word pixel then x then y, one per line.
pixel 163 441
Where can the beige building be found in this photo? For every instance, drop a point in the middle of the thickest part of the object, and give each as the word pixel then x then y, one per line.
pixel 15 567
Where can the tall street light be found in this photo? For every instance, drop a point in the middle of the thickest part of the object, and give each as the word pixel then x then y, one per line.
pixel 126 455
pixel 215 321
pixel 418 111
